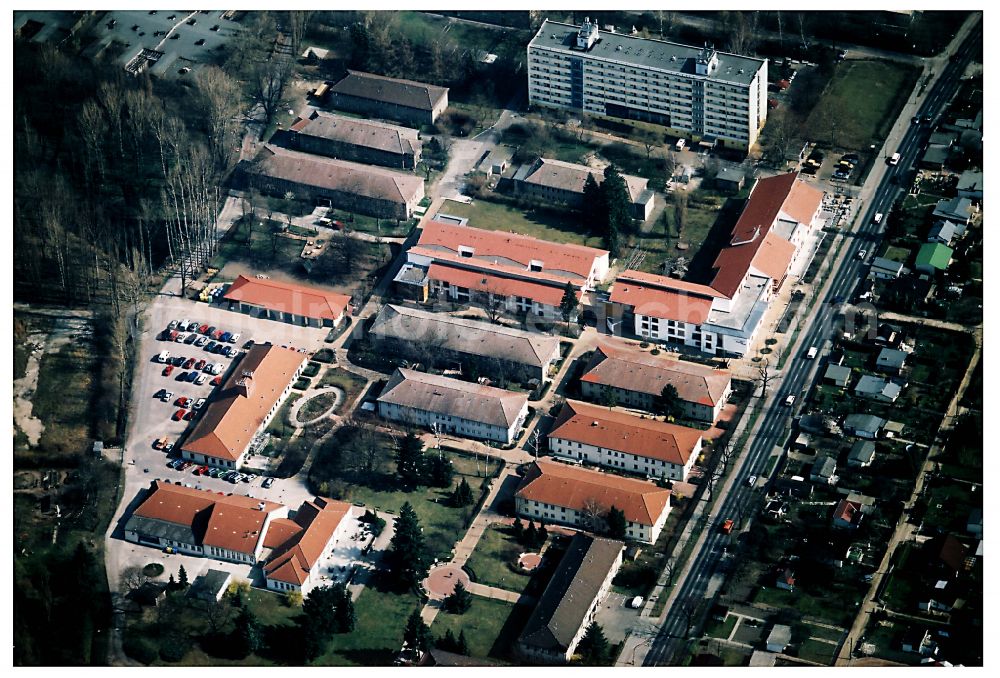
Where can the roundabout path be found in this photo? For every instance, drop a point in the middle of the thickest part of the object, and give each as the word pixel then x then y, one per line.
pixel 293 414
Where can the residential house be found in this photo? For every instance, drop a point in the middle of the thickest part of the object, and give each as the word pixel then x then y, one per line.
pixel 910 291
pixel 351 186
pixel 970 185
pixel 555 181
pixel 944 596
pixel 934 157
pixel 942 138
pixel 891 360
pixel 624 442
pixel 357 140
pixel 887 334
pixel 565 494
pixel 505 272
pixel 886 269
pixel 581 68
pixel 243 406
pixel 957 209
pixel 452 406
pixel 210 586
pixel 287 302
pixel 565 609
pixel 877 388
pixel 847 514
pixel 862 454
pixel 943 232
pixel 838 375
pixel 723 316
pixel 779 638
pixel 297 544
pixel 793 486
pixel 636 378
pixel 730 179
pixel 933 257
pixel 785 579
pixel 196 522
pixel 492 350
pixel 376 96
pixel 824 471
pixel 496 161
pixel 892 429
pixel 946 557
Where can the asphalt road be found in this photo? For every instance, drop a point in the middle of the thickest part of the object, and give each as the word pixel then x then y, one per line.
pixel 671 639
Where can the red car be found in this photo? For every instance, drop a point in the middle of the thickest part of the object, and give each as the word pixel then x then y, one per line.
pixel 217 334
pixel 167 370
pixel 183 401
pixel 189 363
pixel 200 365
pixel 178 415
pixel 202 470
pixel 217 381
pixel 189 415
pixel 203 329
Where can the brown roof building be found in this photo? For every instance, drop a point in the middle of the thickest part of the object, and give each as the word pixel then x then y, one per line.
pixel 568 605
pixel 200 522
pixel 406 101
pixel 300 542
pixel 526 274
pixel 621 441
pixel 557 492
pixel 723 316
pixel 357 140
pixel 453 406
pixel 637 378
pixel 243 406
pixel 287 302
pixel 558 181
pixel 374 191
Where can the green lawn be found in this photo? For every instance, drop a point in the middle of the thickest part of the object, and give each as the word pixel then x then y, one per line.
pixel 482 625
pixel 834 610
pixel 565 227
pixel 378 635
pixel 62 398
pixel 494 552
pixel 717 629
pixel 699 222
pixel 817 651
pixel 350 383
pixel 863 99
pixel 898 254
pixel 271 609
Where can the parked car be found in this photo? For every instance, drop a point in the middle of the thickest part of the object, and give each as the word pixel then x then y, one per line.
pixel 202 378
pixel 789 401
pixel 181 336
pixel 210 331
pixel 199 403
pixel 217 381
pixel 727 526
pixel 200 341
pixel 267 482
pixel 233 338
pixel 167 396
pixel 181 376
pixel 168 447
pixel 231 351
pixel 251 477
pixel 200 365
pixel 188 364
pixel 191 376
pixel 190 339
pixel 183 401
pixel 158 443
pixel 172 325
pixel 159 394
pixel 862 254
pixel 751 481
pixel 217 334
pixel 202 328
pixel 249 343
pixel 210 346
pixel 167 370
pixel 189 415
pixel 213 472
pixel 178 415
pixel 225 336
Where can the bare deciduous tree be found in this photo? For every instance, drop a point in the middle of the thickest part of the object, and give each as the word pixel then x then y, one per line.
pixel 132 579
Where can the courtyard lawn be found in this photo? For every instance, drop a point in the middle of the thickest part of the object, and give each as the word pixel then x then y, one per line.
pixel 378 635
pixel 561 227
pixel 482 624
pixel 490 561
pixel 863 98
pixel 656 250
pixel 350 383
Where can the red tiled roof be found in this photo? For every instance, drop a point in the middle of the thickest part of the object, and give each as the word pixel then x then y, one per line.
pixel 654 280
pixel 617 430
pixel 279 531
pixel 318 520
pixel 303 300
pixel 479 281
pixel 621 366
pixel 654 300
pixel 238 409
pixel 520 250
pixel 769 198
pixel 573 487
pixel 846 510
pixel 234 528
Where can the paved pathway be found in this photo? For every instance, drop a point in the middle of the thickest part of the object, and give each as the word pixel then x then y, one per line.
pixel 293 413
pixel 929 322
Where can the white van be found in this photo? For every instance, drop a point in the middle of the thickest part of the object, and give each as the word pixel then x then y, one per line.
pixel 894 160
pixel 680 144
pixel 878 217
pixel 163 357
pixel 811 353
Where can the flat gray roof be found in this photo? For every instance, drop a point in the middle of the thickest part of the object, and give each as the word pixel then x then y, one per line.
pixel 646 52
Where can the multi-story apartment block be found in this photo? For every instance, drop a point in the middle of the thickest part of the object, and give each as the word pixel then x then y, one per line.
pixel 514 273
pixel 723 316
pixel 696 92
pixel 622 441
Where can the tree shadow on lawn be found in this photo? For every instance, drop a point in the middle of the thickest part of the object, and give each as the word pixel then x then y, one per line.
pixel 511 629
pixel 700 268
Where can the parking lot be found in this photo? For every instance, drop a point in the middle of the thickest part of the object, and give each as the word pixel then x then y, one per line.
pixel 150 418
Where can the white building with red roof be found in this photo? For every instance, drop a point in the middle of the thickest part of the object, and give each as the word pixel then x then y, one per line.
pixel 519 273
pixel 622 441
pixel 298 543
pixel 243 406
pixel 556 492
pixel 723 316
pixel 636 378
pixel 287 302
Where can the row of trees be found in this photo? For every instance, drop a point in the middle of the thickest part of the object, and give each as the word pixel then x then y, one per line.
pixel 606 208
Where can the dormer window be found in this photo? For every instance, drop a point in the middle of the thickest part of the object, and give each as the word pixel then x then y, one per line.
pixel 535 266
pixel 466 252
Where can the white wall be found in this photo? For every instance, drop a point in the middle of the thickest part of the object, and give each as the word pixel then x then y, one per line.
pixel 621 460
